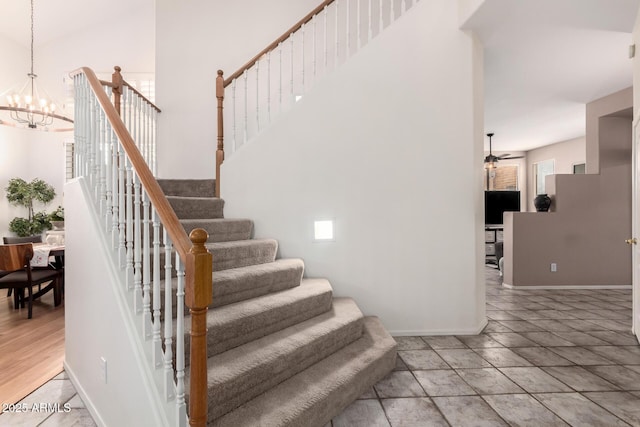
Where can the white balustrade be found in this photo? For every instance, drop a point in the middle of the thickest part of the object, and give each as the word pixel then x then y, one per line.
pixel 134 234
pixel 342 27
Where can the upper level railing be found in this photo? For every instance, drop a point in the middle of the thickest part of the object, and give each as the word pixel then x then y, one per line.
pixel 143 229
pixel 277 77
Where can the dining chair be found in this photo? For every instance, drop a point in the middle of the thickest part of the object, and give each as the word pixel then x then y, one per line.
pixel 15 260
pixel 13 240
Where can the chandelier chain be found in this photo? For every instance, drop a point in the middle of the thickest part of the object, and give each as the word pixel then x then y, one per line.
pixel 31 36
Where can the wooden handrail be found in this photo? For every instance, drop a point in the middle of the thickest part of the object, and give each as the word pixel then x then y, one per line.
pixel 197 260
pixel 308 17
pixel 116 84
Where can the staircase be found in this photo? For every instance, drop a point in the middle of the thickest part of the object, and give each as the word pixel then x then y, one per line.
pixel 282 350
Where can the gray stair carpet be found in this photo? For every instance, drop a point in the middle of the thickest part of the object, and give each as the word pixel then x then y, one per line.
pixel 283 351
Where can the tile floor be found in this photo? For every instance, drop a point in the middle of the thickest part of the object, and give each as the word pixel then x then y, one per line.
pixel 546 358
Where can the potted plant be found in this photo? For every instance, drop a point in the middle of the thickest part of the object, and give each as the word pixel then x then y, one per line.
pixel 57 218
pixel 22 193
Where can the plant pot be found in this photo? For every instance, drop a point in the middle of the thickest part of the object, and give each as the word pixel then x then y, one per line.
pixel 58 225
pixel 542 202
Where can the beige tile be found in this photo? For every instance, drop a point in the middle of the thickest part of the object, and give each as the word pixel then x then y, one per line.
pixel 362 413
pixel 422 359
pixel 411 343
pixel 622 376
pixel 512 340
pixel 463 358
pixel 617 354
pixel 580 338
pixel 443 383
pixel 479 341
pixel 547 339
pixel 489 381
pixel 615 338
pixel 534 380
pixel 399 384
pixel 523 410
pixel 579 378
pixel 520 325
pixel 540 356
pixel 446 341
pixel 502 357
pixel 75 418
pixel 580 356
pixel 468 411
pixel 577 410
pixel 414 412
pixel 622 404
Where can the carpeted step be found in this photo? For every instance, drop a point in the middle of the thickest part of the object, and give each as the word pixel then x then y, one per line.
pixel 188 187
pixel 316 395
pixel 236 324
pixel 242 253
pixel 197 207
pixel 221 229
pixel 239 375
pixel 238 284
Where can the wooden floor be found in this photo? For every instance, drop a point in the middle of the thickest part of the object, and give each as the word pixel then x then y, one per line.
pixel 31 350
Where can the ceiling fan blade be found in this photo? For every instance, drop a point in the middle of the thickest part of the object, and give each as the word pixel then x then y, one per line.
pixel 509 158
pixel 504 156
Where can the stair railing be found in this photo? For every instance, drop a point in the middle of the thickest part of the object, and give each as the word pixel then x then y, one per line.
pixel 142 228
pixel 277 77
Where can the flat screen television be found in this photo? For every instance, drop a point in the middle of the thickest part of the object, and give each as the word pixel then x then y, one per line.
pixel 498 202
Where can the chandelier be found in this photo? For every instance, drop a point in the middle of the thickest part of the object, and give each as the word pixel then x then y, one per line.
pixel 31 108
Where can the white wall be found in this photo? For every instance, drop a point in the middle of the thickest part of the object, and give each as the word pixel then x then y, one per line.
pixel 373 147
pixel 194 40
pixel 565 154
pixel 96 326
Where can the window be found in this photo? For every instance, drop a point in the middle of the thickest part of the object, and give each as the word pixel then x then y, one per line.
pixel 579 168
pixel 540 171
pixel 502 178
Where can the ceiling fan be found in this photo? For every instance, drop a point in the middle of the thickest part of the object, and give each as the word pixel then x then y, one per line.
pixel 491 161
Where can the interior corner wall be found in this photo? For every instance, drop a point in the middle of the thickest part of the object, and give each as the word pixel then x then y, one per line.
pixel 584 234
pixel 194 39
pixel 565 154
pixel 388 147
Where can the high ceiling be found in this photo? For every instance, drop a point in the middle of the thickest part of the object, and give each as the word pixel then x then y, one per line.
pixel 544 59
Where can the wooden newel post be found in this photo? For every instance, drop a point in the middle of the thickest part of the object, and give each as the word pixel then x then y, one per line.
pixel 117 82
pixel 220 150
pixel 198 296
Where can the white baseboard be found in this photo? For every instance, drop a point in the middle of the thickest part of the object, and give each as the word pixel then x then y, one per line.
pixel 429 332
pixel 576 287
pixel 83 395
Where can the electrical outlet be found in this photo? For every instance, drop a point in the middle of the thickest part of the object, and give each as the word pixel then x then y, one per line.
pixel 103 369
pixel 554 267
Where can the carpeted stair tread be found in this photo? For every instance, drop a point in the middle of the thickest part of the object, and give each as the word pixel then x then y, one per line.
pixel 236 324
pixel 188 187
pixel 197 207
pixel 312 397
pixel 242 253
pixel 221 229
pixel 238 284
pixel 243 373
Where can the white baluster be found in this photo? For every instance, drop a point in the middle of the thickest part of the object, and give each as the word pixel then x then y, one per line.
pixel 302 68
pixel 156 352
pixel 246 102
pixel 128 227
pixel 169 385
pixel 292 56
pixel 314 47
pixel 358 24
pixel 370 26
pixel 137 243
pixel 348 43
pixel 258 95
pixel 269 87
pixel 108 158
pixel 380 17
pixel 122 180
pixel 326 37
pixel 233 108
pixel 336 51
pixel 180 390
pixel 280 77
pixel 147 329
pixel 116 193
pixel 102 175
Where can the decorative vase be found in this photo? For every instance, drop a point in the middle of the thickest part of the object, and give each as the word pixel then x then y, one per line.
pixel 542 202
pixel 58 225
